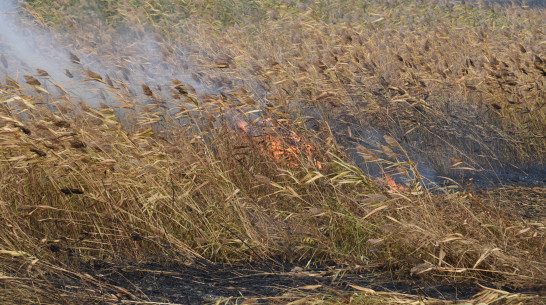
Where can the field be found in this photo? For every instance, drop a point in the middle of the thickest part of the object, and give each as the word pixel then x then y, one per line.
pixel 256 152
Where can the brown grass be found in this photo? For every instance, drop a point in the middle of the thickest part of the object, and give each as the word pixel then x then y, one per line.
pixel 133 182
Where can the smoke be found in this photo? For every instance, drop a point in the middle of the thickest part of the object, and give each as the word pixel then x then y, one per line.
pixel 529 3
pixel 127 59
pixel 131 56
pixel 25 50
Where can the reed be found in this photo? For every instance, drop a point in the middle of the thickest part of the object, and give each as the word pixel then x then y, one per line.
pixel 163 174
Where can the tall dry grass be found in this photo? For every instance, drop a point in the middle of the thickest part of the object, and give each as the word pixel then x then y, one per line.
pixel 129 182
pixel 464 80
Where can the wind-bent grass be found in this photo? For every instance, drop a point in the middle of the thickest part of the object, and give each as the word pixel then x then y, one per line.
pixel 465 80
pixel 78 186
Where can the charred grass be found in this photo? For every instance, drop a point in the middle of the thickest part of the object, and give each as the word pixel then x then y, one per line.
pixel 133 183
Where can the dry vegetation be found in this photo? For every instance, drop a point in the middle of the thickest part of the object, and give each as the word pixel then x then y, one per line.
pixel 131 181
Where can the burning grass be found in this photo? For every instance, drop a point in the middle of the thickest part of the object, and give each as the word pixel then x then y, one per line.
pixel 163 174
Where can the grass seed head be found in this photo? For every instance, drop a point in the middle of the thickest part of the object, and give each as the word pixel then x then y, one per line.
pixel 93 75
pixel 147 91
pixel 12 83
pixel 368 155
pixel 42 73
pixel 74 58
pixel 32 81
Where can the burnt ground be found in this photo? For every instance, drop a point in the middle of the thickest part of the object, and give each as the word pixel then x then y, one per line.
pixel 527 202
pixel 204 282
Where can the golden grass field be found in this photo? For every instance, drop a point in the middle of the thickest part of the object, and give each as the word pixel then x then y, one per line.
pixel 137 158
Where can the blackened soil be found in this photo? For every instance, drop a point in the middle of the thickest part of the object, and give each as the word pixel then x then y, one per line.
pixel 203 282
pixel 527 202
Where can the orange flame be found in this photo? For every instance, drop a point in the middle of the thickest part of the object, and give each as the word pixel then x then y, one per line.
pixel 392 185
pixel 281 148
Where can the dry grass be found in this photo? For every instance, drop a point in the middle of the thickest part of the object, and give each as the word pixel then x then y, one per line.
pixel 134 182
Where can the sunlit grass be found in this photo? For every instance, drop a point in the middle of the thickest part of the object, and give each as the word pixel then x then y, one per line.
pixel 130 182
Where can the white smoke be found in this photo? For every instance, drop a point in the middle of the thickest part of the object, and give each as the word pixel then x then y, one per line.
pixel 129 58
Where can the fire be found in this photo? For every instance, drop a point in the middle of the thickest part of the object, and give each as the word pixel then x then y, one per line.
pixel 286 147
pixel 281 148
pixel 391 184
